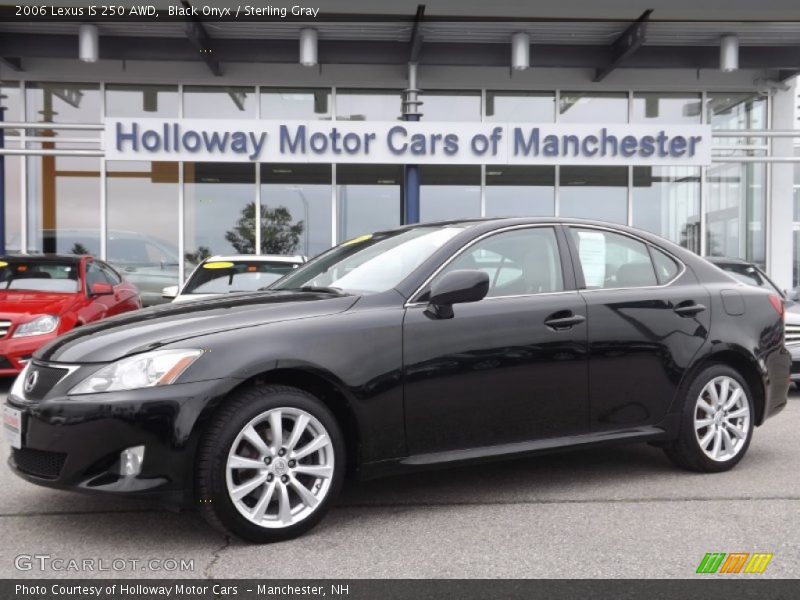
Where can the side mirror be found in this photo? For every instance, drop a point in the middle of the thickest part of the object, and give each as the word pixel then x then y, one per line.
pixel 457 287
pixel 102 289
pixel 170 292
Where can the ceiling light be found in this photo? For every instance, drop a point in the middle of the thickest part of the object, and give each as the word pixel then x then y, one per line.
pixel 308 47
pixel 520 51
pixel 88 43
pixel 729 53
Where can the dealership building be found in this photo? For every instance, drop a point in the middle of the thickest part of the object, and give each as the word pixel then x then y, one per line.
pixel 143 140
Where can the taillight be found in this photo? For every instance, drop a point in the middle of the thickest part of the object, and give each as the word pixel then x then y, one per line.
pixel 777 304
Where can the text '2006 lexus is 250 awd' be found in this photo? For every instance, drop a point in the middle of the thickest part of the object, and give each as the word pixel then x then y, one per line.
pixel 426 345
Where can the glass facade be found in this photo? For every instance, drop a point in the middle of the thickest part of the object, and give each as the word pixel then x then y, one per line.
pixel 305 208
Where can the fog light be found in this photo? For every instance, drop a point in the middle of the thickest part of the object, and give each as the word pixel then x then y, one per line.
pixel 130 461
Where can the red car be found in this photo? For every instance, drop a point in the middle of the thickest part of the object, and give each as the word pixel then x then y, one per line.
pixel 42 297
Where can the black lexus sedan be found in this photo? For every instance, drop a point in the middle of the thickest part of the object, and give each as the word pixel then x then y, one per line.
pixel 428 345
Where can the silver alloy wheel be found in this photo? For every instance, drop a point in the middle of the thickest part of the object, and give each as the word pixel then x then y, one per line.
pixel 722 418
pixel 280 467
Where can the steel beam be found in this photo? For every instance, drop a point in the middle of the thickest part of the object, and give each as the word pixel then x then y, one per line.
pixel 201 41
pixel 626 45
pixel 786 57
pixel 416 35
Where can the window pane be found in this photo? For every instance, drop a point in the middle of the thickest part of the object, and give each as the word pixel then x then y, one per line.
pixel 11 101
pixel 661 107
pixel 594 193
pixel 219 198
pixel 666 268
pixel 451 106
pixel 450 192
pixel 598 107
pixel 520 191
pixel 666 201
pixel 64 205
pixel 295 209
pixel 64 103
pixel 368 105
pixel 11 105
pixel 736 211
pixel 217 102
pixel 368 198
pixel 511 107
pixel 141 100
pixel 745 110
pixel 611 260
pixel 295 103
pixel 518 262
pixel 143 224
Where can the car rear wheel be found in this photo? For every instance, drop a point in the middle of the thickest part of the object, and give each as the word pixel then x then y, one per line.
pixel 270 465
pixel 716 424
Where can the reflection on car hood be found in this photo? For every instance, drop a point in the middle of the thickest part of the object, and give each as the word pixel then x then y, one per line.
pixel 31 302
pixel 151 328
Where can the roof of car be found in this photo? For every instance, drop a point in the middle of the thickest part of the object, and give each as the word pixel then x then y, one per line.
pixel 257 258
pixel 44 257
pixel 726 260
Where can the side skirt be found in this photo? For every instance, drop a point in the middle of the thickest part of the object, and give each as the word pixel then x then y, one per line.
pixel 452 458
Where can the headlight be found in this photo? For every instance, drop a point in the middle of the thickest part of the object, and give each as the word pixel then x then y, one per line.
pixel 160 367
pixel 39 326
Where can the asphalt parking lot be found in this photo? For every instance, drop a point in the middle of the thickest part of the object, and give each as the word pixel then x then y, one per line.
pixel 617 512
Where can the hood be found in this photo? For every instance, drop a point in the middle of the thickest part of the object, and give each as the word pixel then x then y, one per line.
pixel 26 303
pixel 193 297
pixel 158 326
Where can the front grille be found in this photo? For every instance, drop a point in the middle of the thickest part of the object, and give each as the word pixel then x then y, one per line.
pixel 46 378
pixel 792 334
pixel 40 463
pixel 4 327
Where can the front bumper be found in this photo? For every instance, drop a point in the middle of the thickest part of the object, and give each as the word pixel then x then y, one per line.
pixel 15 352
pixel 75 442
pixel 794 350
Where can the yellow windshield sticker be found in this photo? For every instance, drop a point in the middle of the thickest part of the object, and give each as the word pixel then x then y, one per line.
pixel 358 240
pixel 218 265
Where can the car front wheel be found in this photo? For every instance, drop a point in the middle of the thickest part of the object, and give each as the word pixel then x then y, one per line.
pixel 270 465
pixel 716 424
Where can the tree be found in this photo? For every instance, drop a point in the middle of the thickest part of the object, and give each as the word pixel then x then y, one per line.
pixel 278 234
pixel 78 248
pixel 199 255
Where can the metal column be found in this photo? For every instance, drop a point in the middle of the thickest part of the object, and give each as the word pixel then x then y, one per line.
pixel 411 104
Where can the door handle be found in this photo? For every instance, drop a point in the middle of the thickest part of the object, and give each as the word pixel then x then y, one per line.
pixel 564 319
pixel 688 309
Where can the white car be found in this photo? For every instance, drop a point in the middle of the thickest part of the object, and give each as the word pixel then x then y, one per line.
pixel 238 273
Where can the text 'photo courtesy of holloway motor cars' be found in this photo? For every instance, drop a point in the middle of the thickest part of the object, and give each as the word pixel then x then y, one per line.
pixel 424 346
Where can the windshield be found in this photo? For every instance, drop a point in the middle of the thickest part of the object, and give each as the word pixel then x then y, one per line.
pixel 40 276
pixel 371 263
pixel 222 277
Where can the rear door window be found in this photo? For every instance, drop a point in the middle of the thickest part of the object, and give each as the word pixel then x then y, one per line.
pixel 612 260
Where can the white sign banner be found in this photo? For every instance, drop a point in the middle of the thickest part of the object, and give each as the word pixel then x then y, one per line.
pixel 405 142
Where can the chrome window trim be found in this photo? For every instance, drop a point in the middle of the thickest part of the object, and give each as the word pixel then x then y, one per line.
pixel 411 302
pixel 681 264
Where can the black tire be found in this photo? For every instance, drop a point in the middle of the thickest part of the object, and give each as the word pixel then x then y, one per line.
pixel 215 503
pixel 685 451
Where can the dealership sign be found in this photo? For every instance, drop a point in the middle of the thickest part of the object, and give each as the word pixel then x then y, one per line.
pixel 401 142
